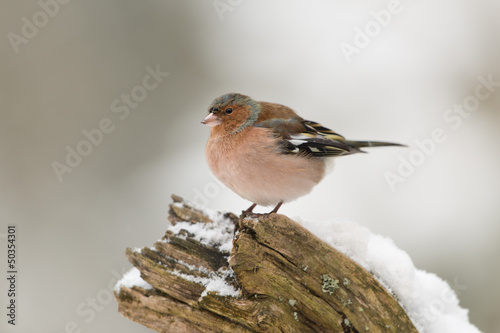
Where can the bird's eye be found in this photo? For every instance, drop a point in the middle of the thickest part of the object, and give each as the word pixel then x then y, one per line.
pixel 229 111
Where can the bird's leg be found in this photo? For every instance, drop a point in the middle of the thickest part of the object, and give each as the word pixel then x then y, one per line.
pixel 249 211
pixel 275 210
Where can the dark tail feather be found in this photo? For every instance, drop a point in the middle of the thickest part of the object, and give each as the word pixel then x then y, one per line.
pixel 364 144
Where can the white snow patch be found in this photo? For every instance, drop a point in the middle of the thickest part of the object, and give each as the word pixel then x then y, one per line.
pixel 218 234
pixel 216 282
pixel 130 279
pixel 200 269
pixel 430 302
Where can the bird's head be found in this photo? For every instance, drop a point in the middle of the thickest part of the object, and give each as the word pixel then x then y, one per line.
pixel 231 113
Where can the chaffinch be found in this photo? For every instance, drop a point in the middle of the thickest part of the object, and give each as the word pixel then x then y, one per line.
pixel 266 153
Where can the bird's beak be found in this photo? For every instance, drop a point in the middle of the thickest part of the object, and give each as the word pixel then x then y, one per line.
pixel 211 120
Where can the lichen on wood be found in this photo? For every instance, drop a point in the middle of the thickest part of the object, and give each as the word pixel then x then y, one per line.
pixel 288 281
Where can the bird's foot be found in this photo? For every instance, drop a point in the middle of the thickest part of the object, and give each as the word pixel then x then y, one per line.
pixel 249 212
pixel 245 214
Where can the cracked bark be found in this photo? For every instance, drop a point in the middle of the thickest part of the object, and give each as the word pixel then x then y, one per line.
pixel 290 281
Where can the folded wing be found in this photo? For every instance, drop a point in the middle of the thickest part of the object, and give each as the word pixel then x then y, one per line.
pixel 299 136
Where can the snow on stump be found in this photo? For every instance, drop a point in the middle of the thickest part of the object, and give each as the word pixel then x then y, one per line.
pixel 213 272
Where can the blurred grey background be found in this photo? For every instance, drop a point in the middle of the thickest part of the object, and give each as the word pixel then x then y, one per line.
pixel 74 69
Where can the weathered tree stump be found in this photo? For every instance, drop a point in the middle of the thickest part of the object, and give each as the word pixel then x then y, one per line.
pixel 278 277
